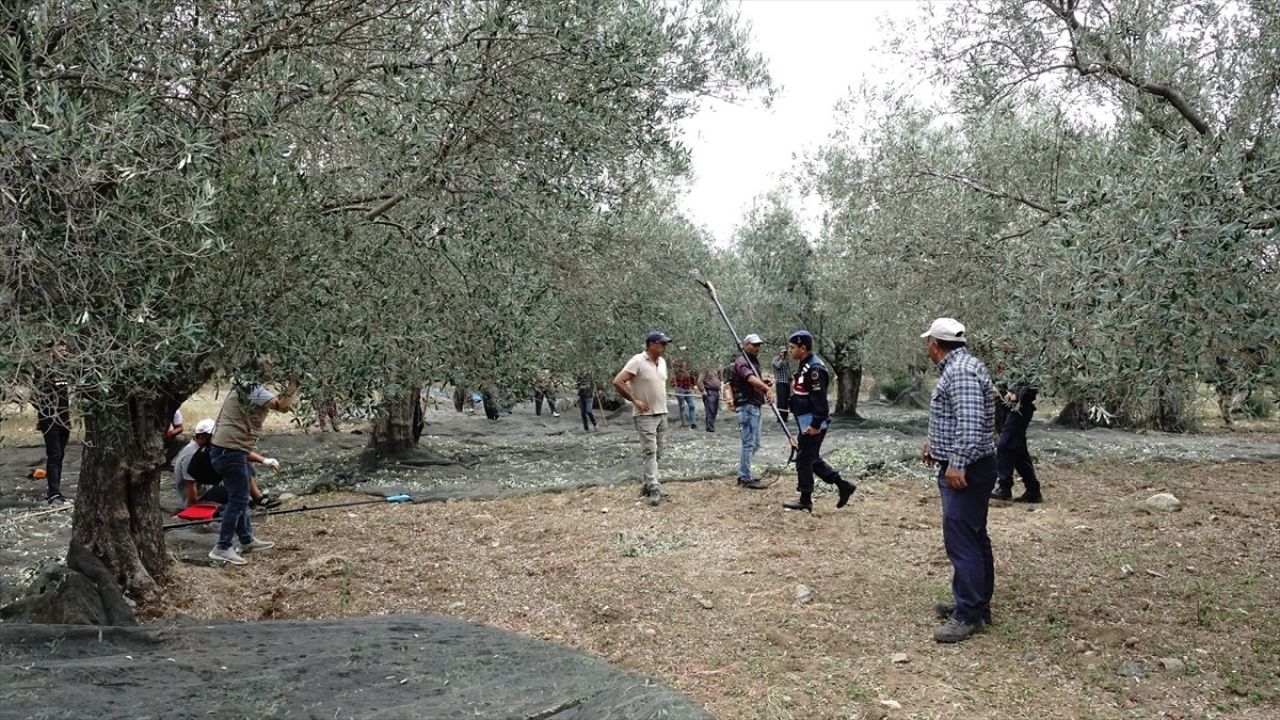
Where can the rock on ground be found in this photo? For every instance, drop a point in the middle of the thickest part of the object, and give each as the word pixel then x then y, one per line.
pixel 390 667
pixel 1163 502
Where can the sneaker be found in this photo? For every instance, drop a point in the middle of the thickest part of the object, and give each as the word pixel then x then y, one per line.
pixel 752 485
pixel 555 414
pixel 58 501
pixel 798 505
pixel 1030 496
pixel 655 497
pixel 1002 493
pixel 846 489
pixel 693 427
pixel 256 544
pixel 954 631
pixel 944 611
pixel 227 556
pixel 267 501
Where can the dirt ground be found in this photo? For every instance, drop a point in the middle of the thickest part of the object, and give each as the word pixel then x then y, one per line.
pixel 702 593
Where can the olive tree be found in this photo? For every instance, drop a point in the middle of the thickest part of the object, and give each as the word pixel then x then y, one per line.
pixel 190 185
pixel 1096 189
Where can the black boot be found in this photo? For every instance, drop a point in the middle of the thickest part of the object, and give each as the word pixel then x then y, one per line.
pixel 1031 495
pixel 804 503
pixel 1002 492
pixel 845 488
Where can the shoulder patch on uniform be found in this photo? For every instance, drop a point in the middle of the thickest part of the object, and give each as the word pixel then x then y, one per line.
pixel 815 374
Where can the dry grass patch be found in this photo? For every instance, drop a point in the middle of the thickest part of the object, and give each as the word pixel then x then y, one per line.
pixel 701 593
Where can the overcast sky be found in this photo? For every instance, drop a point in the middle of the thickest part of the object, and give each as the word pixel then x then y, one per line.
pixel 817 50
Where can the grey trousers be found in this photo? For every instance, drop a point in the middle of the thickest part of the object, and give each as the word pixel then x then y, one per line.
pixel 652 429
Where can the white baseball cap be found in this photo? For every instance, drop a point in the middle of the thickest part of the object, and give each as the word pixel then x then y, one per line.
pixel 948 329
pixel 752 339
pixel 205 427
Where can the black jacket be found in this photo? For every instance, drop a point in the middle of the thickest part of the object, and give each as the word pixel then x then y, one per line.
pixel 809 391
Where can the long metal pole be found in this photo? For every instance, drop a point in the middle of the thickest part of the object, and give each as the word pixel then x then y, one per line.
pixel 711 290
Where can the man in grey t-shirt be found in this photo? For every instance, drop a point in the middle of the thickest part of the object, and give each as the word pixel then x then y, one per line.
pixel 643 382
pixel 238 428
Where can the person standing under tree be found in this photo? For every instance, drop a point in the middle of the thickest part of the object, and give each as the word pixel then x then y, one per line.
pixel 643 383
pixel 53 421
pixel 961 422
pixel 1012 452
pixel 750 393
pixel 586 399
pixel 544 388
pixel 236 435
pixel 686 386
pixel 782 382
pixel 709 381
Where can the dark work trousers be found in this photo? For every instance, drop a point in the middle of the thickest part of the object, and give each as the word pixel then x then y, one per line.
pixel 584 405
pixel 808 462
pixel 711 407
pixel 784 400
pixel 1012 453
pixel 964 534
pixel 491 409
pixel 55 448
pixel 539 396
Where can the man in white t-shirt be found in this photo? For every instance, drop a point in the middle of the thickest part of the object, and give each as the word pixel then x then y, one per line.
pixel 173 437
pixel 643 382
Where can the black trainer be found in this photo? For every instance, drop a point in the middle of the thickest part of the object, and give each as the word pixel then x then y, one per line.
pixel 1030 496
pixel 1002 493
pixel 798 505
pixel 752 485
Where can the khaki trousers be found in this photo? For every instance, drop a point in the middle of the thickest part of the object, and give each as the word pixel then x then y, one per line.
pixel 652 429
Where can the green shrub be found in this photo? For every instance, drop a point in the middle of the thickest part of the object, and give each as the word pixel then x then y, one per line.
pixel 1258 406
pixel 891 389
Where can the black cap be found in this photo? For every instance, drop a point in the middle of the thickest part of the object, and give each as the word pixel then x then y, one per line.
pixel 656 336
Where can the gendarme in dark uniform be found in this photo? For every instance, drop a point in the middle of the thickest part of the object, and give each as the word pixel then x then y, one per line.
pixel 808 404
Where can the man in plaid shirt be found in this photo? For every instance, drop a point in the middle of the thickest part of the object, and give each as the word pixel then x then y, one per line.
pixel 961 425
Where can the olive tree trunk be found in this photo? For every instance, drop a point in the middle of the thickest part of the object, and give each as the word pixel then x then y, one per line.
pixel 848 383
pixel 393 424
pixel 117 512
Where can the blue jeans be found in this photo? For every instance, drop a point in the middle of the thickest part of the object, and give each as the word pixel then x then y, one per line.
pixel 749 428
pixel 233 467
pixel 688 411
pixel 964 533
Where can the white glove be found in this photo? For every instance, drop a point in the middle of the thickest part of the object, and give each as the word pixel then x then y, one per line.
pixel 272 463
